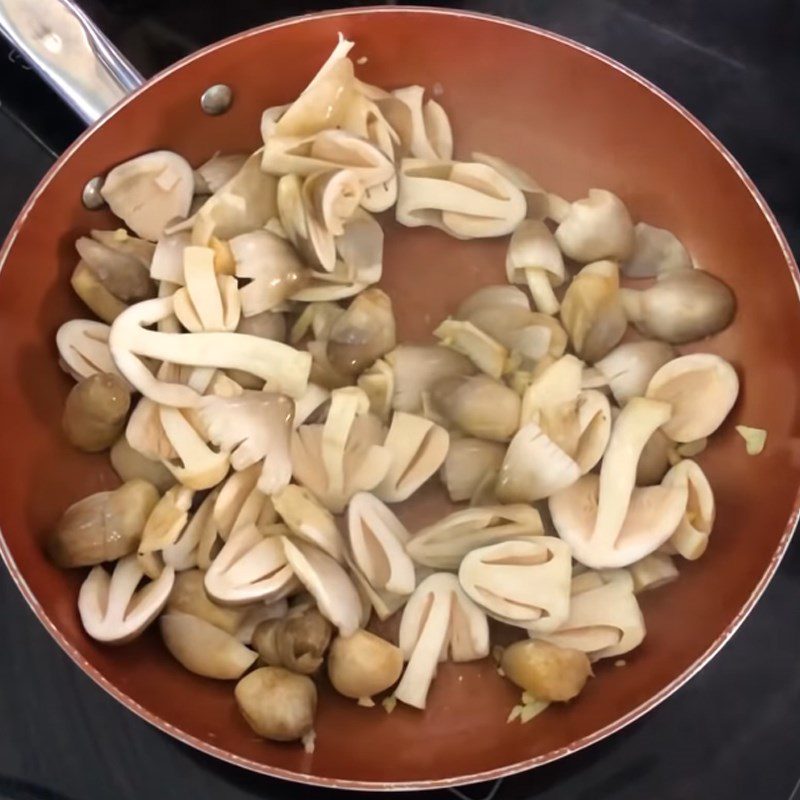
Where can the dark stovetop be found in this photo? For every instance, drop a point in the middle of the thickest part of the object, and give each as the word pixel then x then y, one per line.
pixel 732 732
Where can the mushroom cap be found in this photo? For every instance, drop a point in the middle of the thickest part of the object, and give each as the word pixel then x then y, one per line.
pixel 629 367
pixel 307 519
pixel 467 463
pixel 532 246
pixel 430 135
pixel 656 251
pixel 691 536
pixel 701 389
pixel 83 347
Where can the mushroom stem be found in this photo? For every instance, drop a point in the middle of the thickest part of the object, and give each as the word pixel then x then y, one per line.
pixel 544 297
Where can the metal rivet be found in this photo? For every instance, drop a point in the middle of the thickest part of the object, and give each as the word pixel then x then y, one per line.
pixel 217 99
pixel 91 196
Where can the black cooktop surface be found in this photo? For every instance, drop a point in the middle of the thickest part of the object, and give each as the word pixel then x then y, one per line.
pixel 733 731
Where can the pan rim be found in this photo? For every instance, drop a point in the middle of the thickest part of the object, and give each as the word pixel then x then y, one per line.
pixel 509 769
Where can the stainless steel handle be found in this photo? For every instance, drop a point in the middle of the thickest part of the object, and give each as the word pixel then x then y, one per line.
pixel 70 52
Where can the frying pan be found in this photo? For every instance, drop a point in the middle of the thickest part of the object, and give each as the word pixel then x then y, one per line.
pixel 574 119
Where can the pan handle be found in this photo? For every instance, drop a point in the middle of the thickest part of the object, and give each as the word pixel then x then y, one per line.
pixel 70 52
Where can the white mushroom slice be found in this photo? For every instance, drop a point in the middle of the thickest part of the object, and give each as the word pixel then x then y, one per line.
pixel 199 466
pixel 606 521
pixel 307 519
pixel 604 620
pixel 534 467
pixel 83 348
pixel 377 383
pixel 592 311
pixel 680 306
pixel 250 566
pixel 417 448
pixel 534 258
pixel 258 613
pixel 654 460
pixel 525 583
pixel 130 341
pixel 377 540
pixel 240 502
pixel 312 400
pixel 438 620
pixel 182 553
pixel 246 202
pixel 656 251
pixel 652 572
pixel 327 150
pixel 596 227
pixel 167 264
pixel 166 521
pixel 701 389
pixel 431 134
pixel 518 177
pixel 203 648
pixel 628 368
pixel 120 241
pixel 322 104
pixel 383 603
pixel 467 463
pixel 207 301
pixel 417 367
pixel 466 200
pixel 272 266
pixel 217 171
pixel 329 584
pixel 485 353
pixel 269 119
pixel 691 537
pixel 554 386
pixel 110 607
pixel 149 191
pixel 253 427
pixel 444 544
pixel 124 276
pixel 343 456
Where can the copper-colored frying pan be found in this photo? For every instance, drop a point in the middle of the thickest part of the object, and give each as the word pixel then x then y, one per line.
pixel 572 118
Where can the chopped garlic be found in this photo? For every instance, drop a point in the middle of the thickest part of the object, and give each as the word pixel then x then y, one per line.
pixel 532 710
pixel 309 741
pixel 754 438
pixel 366 702
pixel 515 712
pixel 389 703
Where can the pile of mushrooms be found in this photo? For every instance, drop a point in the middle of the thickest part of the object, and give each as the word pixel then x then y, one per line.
pixel 244 373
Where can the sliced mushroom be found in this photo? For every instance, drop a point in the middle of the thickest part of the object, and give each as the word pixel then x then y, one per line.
pixel 444 544
pixel 377 382
pixel 253 427
pixel 680 306
pixel 487 354
pixel 416 447
pixel 251 566
pixel 130 341
pixel 525 583
pixel 604 618
pixel 193 545
pixel 377 540
pixel 656 251
pixel 478 405
pixel 124 276
pixel 167 264
pixel 272 267
pixel 517 176
pixel 130 465
pixel 628 368
pixel 417 367
pixel 204 648
pixel 213 174
pixel 654 460
pixel 596 227
pixel 608 522
pixel 438 619
pixel 297 641
pixel 691 537
pixel 120 241
pixel 96 297
pixel 196 466
pixel 592 311
pixel 328 582
pixel 467 463
pixel 83 348
pixel 534 258
pixel 189 596
pixel 246 202
pixel 343 456
pixel 431 136
pixel 240 502
pixel 307 519
pixel 110 607
pixel 466 200
pixel 652 572
pixel 701 389
pixel 166 521
pixel 149 191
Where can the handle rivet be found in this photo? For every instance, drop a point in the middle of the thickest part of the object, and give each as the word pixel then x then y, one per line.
pixel 216 99
pixel 91 196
